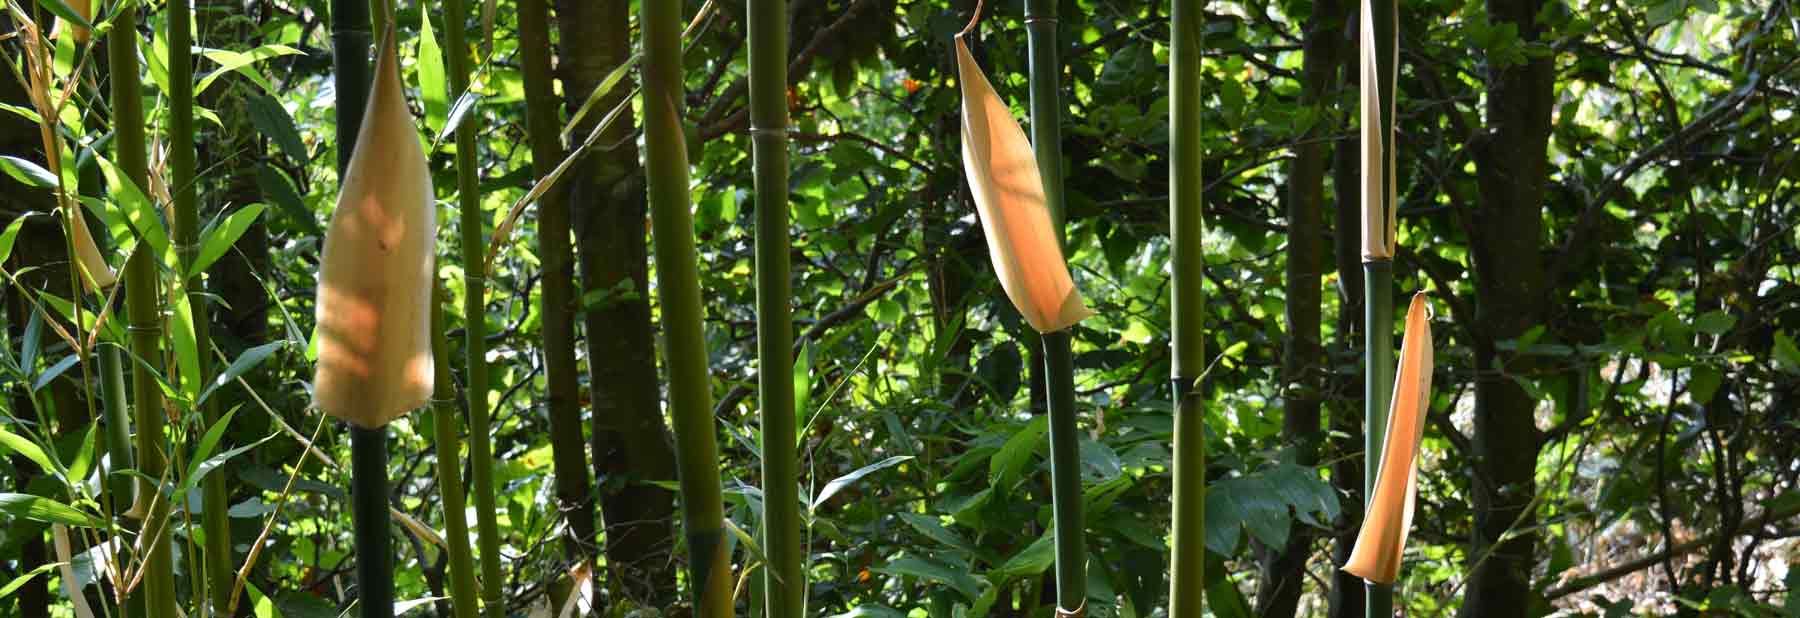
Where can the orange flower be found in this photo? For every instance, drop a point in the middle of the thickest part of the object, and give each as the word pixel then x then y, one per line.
pixel 1383 537
pixel 1009 196
pixel 375 278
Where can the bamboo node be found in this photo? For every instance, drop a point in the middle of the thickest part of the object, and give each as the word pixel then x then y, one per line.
pixel 1079 612
pixel 756 131
pixel 1040 19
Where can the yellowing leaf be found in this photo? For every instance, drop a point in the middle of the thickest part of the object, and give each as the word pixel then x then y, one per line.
pixel 374 296
pixel 1383 537
pixel 1009 195
pixel 1378 221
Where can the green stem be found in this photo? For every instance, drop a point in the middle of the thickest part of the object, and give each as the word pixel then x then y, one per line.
pixel 143 305
pixel 449 467
pixel 568 452
pixel 468 197
pixel 218 559
pixel 1065 474
pixel 1378 285
pixel 1187 576
pixel 784 582
pixel 1059 372
pixel 678 289
pixel 368 447
pixel 369 515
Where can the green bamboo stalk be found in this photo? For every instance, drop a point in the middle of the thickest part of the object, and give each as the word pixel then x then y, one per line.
pixel 468 198
pixel 449 466
pixel 784 583
pixel 143 305
pixel 568 452
pixel 1059 372
pixel 1378 282
pixel 678 290
pixel 350 38
pixel 1187 577
pixel 1378 388
pixel 219 575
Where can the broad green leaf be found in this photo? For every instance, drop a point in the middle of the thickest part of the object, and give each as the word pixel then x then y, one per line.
pixel 273 121
pixel 931 570
pixel 1033 560
pixel 217 240
pixel 212 463
pixel 37 508
pixel 141 214
pixel 1009 464
pixel 181 334
pixel 1715 322
pixel 27 173
pixel 933 529
pixel 839 483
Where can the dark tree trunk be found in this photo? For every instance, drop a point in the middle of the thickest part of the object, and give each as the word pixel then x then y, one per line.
pixel 1303 359
pixel 606 197
pixel 1511 298
pixel 1346 597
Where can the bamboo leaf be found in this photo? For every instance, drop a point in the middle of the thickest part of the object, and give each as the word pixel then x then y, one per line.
pixel 54 372
pixel 30 450
pixel 433 91
pixel 839 483
pixel 212 463
pixel 208 442
pixel 37 508
pixel 13 586
pixel 63 11
pixel 10 236
pixel 27 173
pixel 142 215
pixel 1009 195
pixel 1031 561
pixel 931 570
pixel 241 61
pixel 464 104
pixel 1382 540
pixel 246 360
pixel 215 241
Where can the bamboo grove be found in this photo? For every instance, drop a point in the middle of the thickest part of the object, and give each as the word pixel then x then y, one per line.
pixel 799 308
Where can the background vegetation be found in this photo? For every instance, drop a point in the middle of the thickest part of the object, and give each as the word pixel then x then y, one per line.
pixel 1600 197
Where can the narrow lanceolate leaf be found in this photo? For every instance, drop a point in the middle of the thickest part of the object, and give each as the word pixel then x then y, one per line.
pixel 1009 195
pixel 375 278
pixel 1383 537
pixel 1378 190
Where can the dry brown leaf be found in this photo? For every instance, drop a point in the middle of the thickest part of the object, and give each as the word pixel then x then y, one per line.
pixel 1383 537
pixel 374 297
pixel 1009 196
pixel 1378 220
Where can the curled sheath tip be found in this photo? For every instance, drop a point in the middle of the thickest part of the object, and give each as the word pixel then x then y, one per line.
pixel 1382 540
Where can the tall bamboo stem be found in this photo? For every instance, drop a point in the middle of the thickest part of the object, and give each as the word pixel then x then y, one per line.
pixel 1187 305
pixel 1378 280
pixel 1059 372
pixel 368 447
pixel 219 575
pixel 678 289
pixel 468 198
pixel 449 466
pixel 143 305
pixel 784 583
pixel 568 452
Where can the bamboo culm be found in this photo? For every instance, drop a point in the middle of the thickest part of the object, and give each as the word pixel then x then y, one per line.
pixel 449 467
pixel 350 38
pixel 219 572
pixel 784 583
pixel 677 274
pixel 1378 388
pixel 143 306
pixel 1065 457
pixel 1188 552
pixel 468 199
